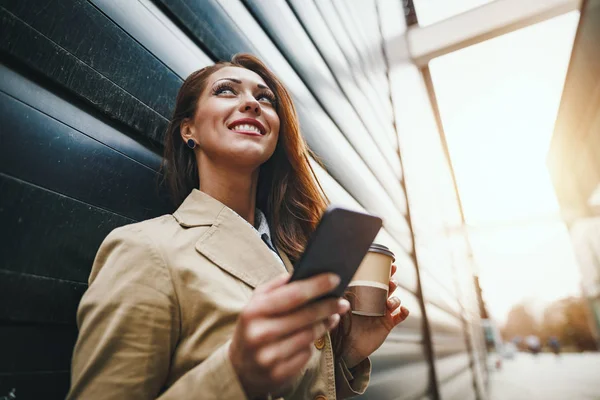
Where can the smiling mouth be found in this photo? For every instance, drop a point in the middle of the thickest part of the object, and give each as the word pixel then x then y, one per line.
pixel 247 129
pixel 248 126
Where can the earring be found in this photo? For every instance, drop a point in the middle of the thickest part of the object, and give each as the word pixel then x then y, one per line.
pixel 191 143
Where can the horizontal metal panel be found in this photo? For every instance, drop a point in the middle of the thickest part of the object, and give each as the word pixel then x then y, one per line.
pixel 441 321
pixel 289 35
pixel 459 387
pixel 209 26
pixel 449 367
pixel 356 18
pixel 402 382
pixel 316 26
pixel 147 24
pixel 392 23
pixel 69 162
pixel 36 299
pixel 90 80
pixel 339 30
pixel 71 230
pixel 393 354
pixel 446 345
pixel 368 12
pixel 435 258
pixel 83 31
pixel 56 107
pixel 365 18
pixel 46 385
pixel 438 295
pixel 36 348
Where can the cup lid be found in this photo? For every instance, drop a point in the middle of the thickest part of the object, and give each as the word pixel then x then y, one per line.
pixel 382 249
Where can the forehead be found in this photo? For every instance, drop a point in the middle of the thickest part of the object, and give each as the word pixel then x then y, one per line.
pixel 245 75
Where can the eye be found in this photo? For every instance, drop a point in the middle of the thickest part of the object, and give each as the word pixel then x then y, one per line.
pixel 267 96
pixel 223 88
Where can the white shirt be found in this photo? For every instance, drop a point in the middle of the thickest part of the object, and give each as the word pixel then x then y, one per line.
pixel 261 227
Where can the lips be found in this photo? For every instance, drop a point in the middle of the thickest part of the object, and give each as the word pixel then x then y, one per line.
pixel 248 126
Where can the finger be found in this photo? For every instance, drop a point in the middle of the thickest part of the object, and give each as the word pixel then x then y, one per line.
pixel 291 367
pixel 334 320
pixel 288 297
pixel 394 269
pixel 304 317
pixel 392 286
pixel 273 284
pixel 401 316
pixel 296 342
pixel 393 303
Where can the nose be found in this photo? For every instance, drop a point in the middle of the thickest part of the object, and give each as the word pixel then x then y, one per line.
pixel 250 104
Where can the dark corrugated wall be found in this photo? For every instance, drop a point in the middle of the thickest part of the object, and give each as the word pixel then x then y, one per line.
pixel 86 90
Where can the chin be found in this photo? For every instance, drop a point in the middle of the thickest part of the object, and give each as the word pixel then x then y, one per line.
pixel 249 157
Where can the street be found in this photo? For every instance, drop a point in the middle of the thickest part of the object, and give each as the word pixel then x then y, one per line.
pixel 547 377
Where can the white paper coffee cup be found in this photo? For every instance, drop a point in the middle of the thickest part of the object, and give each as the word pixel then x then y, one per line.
pixel 368 290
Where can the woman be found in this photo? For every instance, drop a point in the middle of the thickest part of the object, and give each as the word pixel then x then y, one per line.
pixel 195 305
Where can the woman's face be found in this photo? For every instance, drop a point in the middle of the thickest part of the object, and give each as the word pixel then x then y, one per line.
pixel 235 121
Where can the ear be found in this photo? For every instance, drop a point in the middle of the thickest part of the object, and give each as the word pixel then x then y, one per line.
pixel 186 129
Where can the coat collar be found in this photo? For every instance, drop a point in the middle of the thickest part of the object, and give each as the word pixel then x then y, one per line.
pixel 198 209
pixel 230 242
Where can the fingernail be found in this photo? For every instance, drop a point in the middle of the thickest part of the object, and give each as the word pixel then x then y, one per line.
pixel 334 279
pixel 335 319
pixel 395 301
pixel 344 305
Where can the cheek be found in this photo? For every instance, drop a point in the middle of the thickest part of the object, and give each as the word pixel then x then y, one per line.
pixel 274 123
pixel 210 119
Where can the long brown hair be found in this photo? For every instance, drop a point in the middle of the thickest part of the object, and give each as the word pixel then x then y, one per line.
pixel 288 190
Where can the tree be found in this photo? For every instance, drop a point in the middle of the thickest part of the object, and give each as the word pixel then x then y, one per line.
pixel 567 319
pixel 520 322
pixel 554 321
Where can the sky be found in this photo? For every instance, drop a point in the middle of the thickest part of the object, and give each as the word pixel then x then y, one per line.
pixel 498 102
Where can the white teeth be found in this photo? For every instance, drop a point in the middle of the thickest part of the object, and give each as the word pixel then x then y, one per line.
pixel 246 127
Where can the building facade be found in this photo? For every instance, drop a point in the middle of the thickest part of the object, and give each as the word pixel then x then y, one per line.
pixel 574 156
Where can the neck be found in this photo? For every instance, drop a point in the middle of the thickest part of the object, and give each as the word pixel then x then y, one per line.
pixel 234 188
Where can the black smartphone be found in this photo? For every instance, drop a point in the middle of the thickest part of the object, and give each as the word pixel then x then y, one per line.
pixel 338 245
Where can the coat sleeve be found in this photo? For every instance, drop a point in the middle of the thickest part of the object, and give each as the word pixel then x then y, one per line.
pixel 350 384
pixel 129 325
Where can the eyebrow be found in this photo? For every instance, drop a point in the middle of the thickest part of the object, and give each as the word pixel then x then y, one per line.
pixel 259 85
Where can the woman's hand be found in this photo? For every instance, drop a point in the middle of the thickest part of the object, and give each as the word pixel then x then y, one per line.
pixel 368 333
pixel 274 335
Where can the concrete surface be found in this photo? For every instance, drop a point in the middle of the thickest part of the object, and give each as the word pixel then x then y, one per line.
pixel 547 377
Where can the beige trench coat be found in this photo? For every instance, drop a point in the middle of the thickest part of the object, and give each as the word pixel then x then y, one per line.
pixel 161 308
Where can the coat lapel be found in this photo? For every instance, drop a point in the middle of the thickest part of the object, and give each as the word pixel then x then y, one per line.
pixel 233 245
pixel 230 242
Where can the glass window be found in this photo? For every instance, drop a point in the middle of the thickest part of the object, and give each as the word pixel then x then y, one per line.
pixel 498 101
